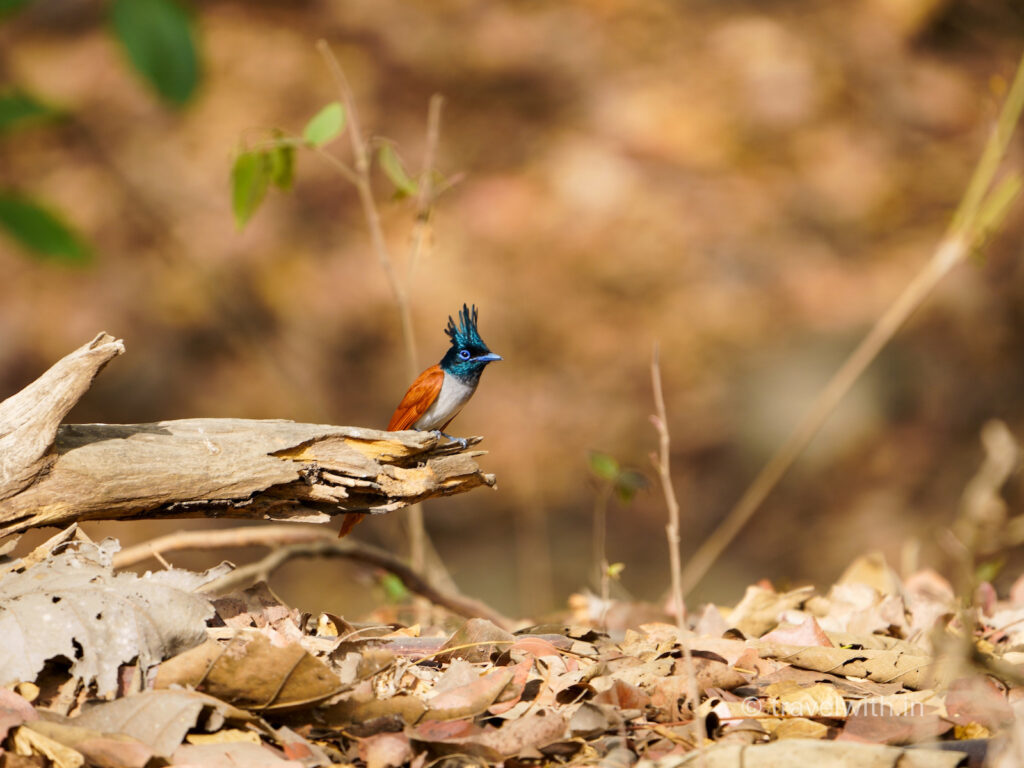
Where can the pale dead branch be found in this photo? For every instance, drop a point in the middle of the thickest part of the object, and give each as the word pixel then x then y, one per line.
pixel 279 470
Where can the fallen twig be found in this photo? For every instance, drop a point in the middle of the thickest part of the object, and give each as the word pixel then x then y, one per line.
pixel 293 541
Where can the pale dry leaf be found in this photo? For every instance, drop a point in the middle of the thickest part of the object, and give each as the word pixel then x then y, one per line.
pixel 459 673
pixel 98 749
pixel 28 742
pixel 73 605
pixel 817 700
pixel 880 666
pixel 230 755
pixel 807 632
pixel 810 752
pixel 760 609
pixel 795 728
pixel 224 736
pixel 159 719
pixel 590 720
pixel 873 570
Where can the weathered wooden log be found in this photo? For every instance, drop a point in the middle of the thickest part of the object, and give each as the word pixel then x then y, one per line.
pixel 53 475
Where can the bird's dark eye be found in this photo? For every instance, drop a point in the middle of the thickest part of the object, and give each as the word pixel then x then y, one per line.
pixel 464 354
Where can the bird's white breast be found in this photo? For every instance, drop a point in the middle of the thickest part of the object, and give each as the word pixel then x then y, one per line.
pixel 453 395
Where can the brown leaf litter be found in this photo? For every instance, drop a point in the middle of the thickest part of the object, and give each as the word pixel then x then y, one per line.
pixel 858 675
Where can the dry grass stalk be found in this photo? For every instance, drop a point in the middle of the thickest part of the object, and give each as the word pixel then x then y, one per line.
pixel 980 213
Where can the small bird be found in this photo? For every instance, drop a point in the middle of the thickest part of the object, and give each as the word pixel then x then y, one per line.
pixel 440 392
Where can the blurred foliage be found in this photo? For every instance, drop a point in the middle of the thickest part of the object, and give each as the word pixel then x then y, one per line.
pixel 18 108
pixel 158 37
pixel 325 126
pixel 392 166
pixel 10 6
pixel 624 482
pixel 749 184
pixel 40 231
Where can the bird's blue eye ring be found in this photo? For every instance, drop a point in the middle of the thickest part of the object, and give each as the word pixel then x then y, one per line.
pixel 464 354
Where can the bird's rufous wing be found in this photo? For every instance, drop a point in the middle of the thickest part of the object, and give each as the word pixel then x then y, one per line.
pixel 418 399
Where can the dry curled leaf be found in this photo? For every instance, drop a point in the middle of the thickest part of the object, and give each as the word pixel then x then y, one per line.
pixel 253 672
pixel 73 605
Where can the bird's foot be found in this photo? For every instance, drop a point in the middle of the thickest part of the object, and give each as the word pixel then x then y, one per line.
pixel 463 442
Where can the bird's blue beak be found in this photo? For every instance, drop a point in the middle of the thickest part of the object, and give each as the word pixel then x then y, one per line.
pixel 490 357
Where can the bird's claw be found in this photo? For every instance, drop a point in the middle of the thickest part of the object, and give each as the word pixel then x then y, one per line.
pixel 463 442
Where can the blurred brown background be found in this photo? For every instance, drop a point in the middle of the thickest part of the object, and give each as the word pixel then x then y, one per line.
pixel 749 183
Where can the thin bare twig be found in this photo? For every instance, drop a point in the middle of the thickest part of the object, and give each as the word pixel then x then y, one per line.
pixel 419 542
pixel 980 211
pixel 661 463
pixel 425 194
pixel 292 541
pixel 600 544
pixel 361 159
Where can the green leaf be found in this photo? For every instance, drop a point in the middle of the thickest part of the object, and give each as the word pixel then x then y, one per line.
pixel 16 106
pixel 40 231
pixel 988 570
pixel 160 41
pixel 10 6
pixel 325 126
pixel 603 465
pixel 394 170
pixel 615 570
pixel 627 483
pixel 250 177
pixel 282 166
pixel 394 588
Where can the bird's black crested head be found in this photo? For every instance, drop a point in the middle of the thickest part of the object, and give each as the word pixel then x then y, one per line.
pixel 465 333
pixel 468 355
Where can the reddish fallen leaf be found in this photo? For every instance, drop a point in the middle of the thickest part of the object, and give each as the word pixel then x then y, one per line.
pixel 888 728
pixel 295 747
pixel 385 750
pixel 513 692
pixel 471 699
pixel 533 731
pixel 668 695
pixel 977 700
pixel 14 711
pixel 536 647
pixel 624 696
